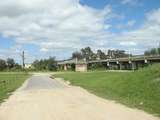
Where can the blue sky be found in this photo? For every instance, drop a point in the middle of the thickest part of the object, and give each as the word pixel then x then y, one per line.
pixel 129 10
pixel 44 28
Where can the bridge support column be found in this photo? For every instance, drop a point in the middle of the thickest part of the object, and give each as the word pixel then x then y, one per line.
pixel 146 62
pixel 108 66
pixel 120 66
pixel 65 67
pixel 81 67
pixel 133 65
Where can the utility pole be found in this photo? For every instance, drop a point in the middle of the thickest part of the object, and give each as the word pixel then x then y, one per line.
pixel 23 58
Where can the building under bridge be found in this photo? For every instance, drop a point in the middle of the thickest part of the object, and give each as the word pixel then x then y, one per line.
pixel 128 63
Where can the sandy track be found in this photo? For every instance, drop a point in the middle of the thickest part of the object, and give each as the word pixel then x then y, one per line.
pixel 64 103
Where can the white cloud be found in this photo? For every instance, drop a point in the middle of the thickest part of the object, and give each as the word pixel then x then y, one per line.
pixel 131 2
pixel 145 37
pixel 44 50
pixel 66 25
pixel 131 23
pixel 126 1
pixel 128 43
pixel 52 24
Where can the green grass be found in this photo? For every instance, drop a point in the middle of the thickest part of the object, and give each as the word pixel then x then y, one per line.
pixel 9 82
pixel 139 89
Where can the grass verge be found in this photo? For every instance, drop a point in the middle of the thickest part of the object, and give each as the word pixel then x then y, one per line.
pixel 139 89
pixel 9 82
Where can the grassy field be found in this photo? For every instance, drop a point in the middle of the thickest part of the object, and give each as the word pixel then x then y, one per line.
pixel 9 82
pixel 139 89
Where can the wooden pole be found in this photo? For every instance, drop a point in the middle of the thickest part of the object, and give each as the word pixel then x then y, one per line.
pixel 23 58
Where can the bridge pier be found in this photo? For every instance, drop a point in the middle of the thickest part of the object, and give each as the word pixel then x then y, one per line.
pixel 120 66
pixel 108 65
pixel 81 67
pixel 133 65
pixel 65 67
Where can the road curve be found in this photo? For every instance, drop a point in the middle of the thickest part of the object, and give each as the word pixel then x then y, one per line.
pixel 42 98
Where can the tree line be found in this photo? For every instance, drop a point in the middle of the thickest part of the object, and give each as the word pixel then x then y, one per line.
pixel 9 65
pixel 88 54
pixel 49 64
pixel 153 51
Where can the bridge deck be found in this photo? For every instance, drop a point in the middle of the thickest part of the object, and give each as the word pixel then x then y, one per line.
pixel 135 58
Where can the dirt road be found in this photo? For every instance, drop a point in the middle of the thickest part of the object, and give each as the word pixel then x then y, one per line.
pixel 42 98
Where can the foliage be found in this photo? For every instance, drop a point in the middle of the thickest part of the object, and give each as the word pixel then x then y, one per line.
pixel 45 64
pixel 77 55
pixel 153 51
pixel 52 65
pixel 3 65
pixel 117 54
pixel 16 67
pixel 88 54
pixel 10 63
pixel 101 55
pixel 138 89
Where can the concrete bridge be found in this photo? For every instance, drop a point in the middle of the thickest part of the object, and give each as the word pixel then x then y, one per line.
pixel 128 63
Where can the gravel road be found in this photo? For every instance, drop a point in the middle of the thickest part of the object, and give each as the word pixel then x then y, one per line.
pixel 43 82
pixel 42 98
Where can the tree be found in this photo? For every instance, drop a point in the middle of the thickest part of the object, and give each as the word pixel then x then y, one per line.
pixel 36 64
pixel 77 55
pixel 88 53
pixel 117 54
pixel 101 55
pixel 52 64
pixel 153 51
pixel 46 64
pixel 10 63
pixel 3 65
pixel 17 66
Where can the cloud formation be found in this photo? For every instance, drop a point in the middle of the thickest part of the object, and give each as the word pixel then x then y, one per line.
pixel 52 24
pixel 146 36
pixel 66 25
pixel 130 2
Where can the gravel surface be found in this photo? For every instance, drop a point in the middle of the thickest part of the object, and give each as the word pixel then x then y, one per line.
pixel 42 98
pixel 43 82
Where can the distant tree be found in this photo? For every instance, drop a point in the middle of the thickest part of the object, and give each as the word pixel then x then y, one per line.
pixel 3 65
pixel 10 63
pixel 45 64
pixel 153 51
pixel 52 64
pixel 77 55
pixel 101 55
pixel 17 66
pixel 117 54
pixel 88 53
pixel 36 64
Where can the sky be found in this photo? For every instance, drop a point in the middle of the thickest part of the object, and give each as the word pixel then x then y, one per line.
pixel 44 28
